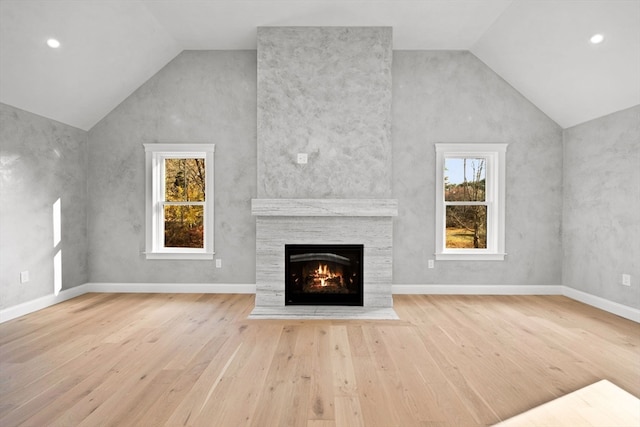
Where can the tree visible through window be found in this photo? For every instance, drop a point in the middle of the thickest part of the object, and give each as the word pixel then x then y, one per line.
pixel 470 201
pixel 184 203
pixel 179 201
pixel 465 201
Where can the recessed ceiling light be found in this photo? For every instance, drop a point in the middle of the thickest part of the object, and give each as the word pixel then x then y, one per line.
pixel 596 38
pixel 53 43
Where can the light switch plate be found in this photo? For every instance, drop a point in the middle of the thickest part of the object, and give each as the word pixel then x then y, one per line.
pixel 302 158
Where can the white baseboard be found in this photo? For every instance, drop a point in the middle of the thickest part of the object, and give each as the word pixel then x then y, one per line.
pixel 589 299
pixel 173 288
pixel 603 304
pixel 477 289
pixel 40 303
pixel 240 288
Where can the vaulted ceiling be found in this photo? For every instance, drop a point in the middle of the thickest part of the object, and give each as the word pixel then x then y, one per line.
pixel 110 47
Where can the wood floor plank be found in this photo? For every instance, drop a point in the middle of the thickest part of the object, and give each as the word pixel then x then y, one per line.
pixel 321 398
pixel 373 396
pixel 197 360
pixel 348 411
pixel 421 382
pixel 372 393
pixel 177 393
pixel 193 403
pixel 274 397
pixel 344 378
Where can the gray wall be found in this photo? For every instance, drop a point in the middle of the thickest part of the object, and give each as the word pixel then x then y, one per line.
pixel 439 96
pixel 451 96
pixel 325 91
pixel 41 161
pixel 601 215
pixel 200 96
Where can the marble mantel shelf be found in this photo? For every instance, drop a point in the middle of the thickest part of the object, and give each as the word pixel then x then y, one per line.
pixel 325 207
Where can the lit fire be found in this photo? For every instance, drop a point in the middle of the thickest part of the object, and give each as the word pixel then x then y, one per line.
pixel 323 275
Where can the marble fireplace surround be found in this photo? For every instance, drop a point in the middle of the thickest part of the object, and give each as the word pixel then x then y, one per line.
pixel 324 221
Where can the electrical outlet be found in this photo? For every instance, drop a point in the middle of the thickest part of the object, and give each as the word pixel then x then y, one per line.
pixel 24 276
pixel 302 158
pixel 626 279
pixel 218 263
pixel 430 263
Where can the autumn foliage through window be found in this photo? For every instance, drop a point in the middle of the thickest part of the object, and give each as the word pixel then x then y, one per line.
pixel 179 201
pixel 183 204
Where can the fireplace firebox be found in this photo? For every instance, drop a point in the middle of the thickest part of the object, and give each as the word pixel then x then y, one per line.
pixel 323 275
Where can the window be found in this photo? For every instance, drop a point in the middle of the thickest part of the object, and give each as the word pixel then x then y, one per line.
pixel 179 209
pixel 470 201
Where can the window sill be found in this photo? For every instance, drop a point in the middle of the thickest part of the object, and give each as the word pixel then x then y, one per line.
pixel 179 255
pixel 470 256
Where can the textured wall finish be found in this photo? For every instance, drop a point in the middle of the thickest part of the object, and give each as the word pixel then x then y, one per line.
pixel 438 96
pixel 601 221
pixel 446 96
pixel 203 96
pixel 325 91
pixel 41 161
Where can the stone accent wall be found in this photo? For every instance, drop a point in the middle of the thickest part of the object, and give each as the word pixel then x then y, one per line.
pixel 324 91
pixel 283 221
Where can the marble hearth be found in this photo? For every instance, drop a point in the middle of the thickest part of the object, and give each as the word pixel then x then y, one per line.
pixel 324 221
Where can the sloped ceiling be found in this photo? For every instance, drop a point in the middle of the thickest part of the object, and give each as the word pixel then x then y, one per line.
pixel 111 47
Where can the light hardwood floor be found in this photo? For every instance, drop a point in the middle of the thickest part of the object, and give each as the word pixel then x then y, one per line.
pixel 194 359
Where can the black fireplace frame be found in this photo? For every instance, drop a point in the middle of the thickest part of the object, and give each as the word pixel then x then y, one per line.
pixel 301 298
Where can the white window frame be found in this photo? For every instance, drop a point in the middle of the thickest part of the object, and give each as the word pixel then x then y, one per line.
pixel 155 154
pixel 495 155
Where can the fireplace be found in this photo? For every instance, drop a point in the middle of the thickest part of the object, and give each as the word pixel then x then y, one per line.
pixel 353 204
pixel 324 274
pixel 286 224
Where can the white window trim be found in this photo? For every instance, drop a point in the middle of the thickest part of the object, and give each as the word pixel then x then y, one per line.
pixel 495 153
pixel 155 153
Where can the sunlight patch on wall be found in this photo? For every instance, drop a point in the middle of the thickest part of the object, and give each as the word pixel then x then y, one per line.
pixel 57 237
pixel 57 223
